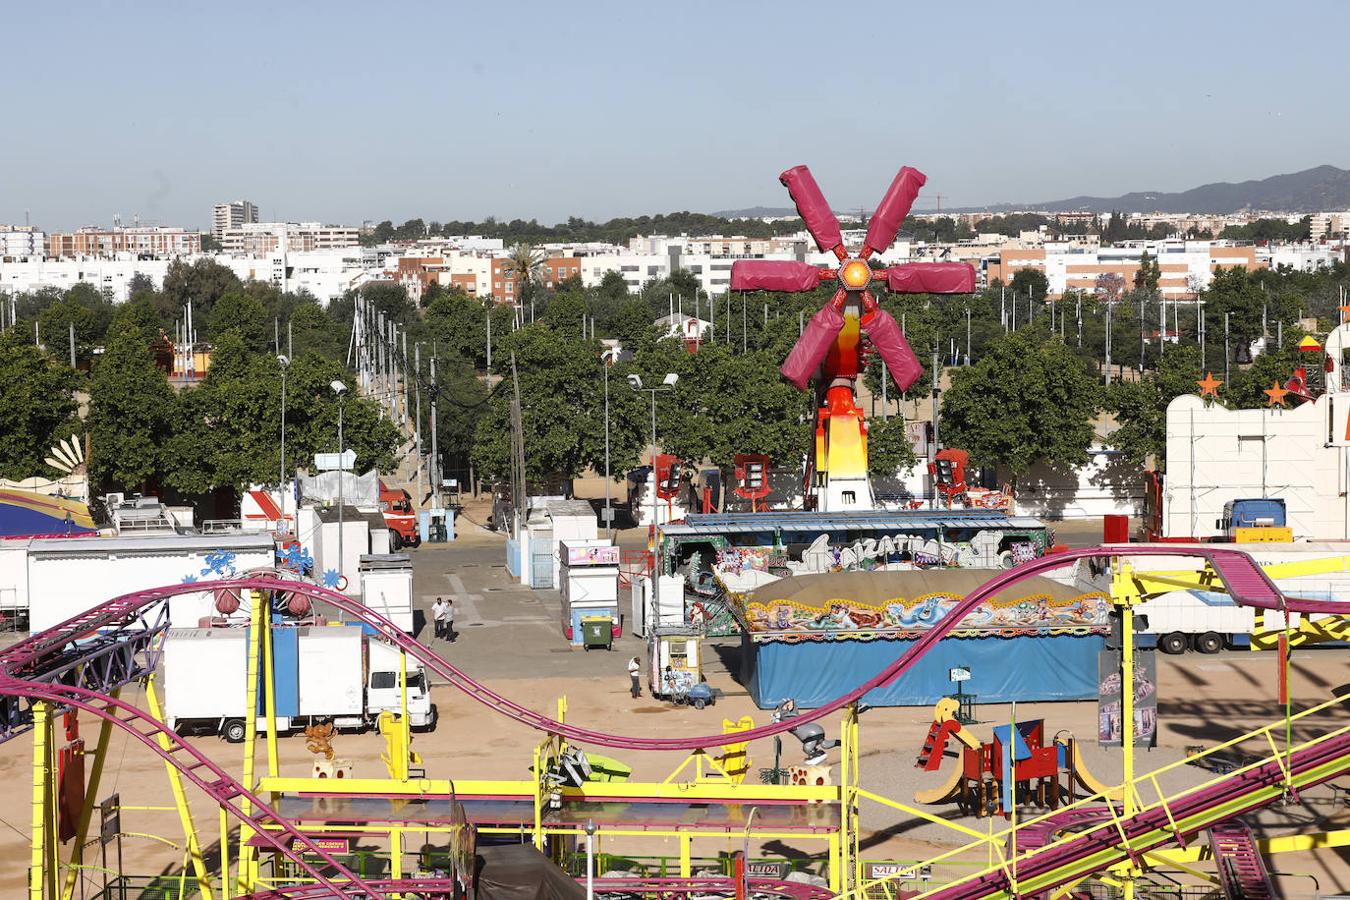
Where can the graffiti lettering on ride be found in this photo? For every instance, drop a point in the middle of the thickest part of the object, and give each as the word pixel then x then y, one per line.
pixel 988 549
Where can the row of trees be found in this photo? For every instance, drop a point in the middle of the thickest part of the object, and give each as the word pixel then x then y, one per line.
pixel 1029 393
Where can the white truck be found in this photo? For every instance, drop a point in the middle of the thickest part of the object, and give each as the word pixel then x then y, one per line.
pixel 333 673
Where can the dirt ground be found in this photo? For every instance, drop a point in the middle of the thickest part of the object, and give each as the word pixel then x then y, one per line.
pixel 510 640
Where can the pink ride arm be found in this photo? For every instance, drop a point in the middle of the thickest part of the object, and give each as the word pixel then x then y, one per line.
pixel 815 212
pixel 812 346
pixel 885 334
pixel 893 208
pixel 931 278
pixel 773 275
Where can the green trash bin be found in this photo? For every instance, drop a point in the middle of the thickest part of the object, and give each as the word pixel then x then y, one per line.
pixel 597 631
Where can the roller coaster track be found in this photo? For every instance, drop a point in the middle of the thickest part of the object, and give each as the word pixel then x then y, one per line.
pixel 196 768
pixel 1117 840
pixel 40 668
pixel 1246 583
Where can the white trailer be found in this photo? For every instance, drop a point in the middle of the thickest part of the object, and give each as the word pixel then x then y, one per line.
pixel 330 673
pixel 387 586
pixel 67 576
pixel 1197 620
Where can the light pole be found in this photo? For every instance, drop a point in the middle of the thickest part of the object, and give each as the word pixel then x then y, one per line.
pixel 590 859
pixel 281 487
pixel 609 510
pixel 667 384
pixel 341 390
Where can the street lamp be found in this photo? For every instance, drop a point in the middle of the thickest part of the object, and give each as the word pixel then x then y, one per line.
pixel 667 384
pixel 341 390
pixel 281 487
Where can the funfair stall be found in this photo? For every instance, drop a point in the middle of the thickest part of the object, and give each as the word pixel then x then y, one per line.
pixel 590 586
pixel 809 638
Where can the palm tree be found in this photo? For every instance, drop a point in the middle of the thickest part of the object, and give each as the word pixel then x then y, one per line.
pixel 525 264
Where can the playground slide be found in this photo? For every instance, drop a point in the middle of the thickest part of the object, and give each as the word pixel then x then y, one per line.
pixel 1089 782
pixel 945 792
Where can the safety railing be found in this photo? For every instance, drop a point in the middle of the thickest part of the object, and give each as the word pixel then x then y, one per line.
pixel 1146 792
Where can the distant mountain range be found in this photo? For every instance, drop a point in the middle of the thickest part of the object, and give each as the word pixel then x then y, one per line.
pixel 1325 187
pixel 1321 188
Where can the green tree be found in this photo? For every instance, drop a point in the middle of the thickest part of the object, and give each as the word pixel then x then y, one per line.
pixel 37 406
pixel 632 323
pixel 1028 399
pixel 202 283
pixel 1149 273
pixel 242 314
pixel 131 409
pixel 889 450
pixel 226 431
pixel 1140 406
pixel 562 409
pixel 1031 283
pixel 458 324
pixel 526 265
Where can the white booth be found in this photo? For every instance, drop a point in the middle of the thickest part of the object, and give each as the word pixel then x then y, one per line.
pixel 590 585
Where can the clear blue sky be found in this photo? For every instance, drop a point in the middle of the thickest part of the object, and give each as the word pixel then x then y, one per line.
pixel 342 111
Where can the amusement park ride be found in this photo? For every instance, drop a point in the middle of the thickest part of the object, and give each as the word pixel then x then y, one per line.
pixel 831 348
pixel 296 834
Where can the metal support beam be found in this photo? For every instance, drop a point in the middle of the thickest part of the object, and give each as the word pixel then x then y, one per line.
pixel 190 838
pixel 90 801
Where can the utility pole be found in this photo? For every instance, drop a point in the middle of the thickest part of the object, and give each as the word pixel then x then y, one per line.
pixel 933 448
pixel 1108 342
pixel 968 335
pixel 435 449
pixel 518 429
pixel 489 341
pixel 1225 348
pixel 417 426
pixel 72 344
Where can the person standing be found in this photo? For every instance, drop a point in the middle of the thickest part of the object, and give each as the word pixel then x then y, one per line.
pixel 450 621
pixel 438 617
pixel 635 677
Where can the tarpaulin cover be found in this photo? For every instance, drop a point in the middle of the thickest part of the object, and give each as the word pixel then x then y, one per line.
pixel 885 334
pixel 893 208
pixel 931 278
pixel 773 275
pixel 356 490
pixel 25 513
pixel 520 872
pixel 815 212
pixel 1039 667
pixel 810 349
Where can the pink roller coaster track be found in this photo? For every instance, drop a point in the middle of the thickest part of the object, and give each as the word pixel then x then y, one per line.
pixel 21 665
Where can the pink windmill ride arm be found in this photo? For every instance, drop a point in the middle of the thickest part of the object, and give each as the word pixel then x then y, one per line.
pixel 931 278
pixel 815 212
pixel 892 209
pixel 774 275
pixel 885 334
pixel 816 340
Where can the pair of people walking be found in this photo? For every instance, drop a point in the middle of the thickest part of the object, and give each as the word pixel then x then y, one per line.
pixel 443 619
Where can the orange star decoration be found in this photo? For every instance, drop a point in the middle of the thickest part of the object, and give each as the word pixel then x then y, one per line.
pixel 1209 386
pixel 1345 312
pixel 1276 394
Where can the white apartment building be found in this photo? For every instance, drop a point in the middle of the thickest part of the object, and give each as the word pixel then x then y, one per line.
pixel 232 215
pixel 18 241
pixel 264 238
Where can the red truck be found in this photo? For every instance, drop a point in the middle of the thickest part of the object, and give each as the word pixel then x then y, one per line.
pixel 396 507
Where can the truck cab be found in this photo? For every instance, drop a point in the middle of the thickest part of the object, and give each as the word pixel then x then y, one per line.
pixel 1258 519
pixel 399 517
